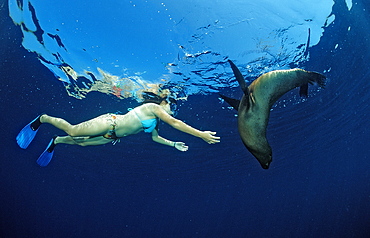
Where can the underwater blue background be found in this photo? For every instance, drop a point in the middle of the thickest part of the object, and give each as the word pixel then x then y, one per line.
pixel 317 185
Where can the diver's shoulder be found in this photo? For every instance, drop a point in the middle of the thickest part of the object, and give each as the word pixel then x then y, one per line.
pixel 148 106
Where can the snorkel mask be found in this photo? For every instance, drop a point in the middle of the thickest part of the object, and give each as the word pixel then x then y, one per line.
pixel 154 98
pixel 173 104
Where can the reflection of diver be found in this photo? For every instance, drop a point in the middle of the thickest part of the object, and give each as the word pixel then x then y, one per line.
pixel 76 80
pixel 111 127
pixel 78 85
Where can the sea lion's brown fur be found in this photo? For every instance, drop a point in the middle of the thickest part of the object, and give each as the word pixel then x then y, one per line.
pixel 254 107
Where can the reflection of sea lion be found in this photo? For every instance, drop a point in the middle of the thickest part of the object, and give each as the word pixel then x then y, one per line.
pixel 254 107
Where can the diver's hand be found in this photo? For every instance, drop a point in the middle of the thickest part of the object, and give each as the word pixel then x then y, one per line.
pixel 181 146
pixel 209 137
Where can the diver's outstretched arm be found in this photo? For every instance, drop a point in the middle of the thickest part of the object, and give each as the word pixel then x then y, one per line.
pixel 207 136
pixel 159 139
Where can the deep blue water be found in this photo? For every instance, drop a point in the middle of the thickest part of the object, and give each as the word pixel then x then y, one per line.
pixel 317 185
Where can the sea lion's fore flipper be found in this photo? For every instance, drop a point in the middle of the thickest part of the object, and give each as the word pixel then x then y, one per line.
pixel 239 77
pixel 233 102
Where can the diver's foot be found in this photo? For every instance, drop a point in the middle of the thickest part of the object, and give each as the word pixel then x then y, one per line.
pixel 37 123
pixel 52 144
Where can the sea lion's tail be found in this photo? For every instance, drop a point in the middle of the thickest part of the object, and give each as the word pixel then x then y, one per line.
pixel 313 77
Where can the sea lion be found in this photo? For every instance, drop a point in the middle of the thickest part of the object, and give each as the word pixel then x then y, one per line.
pixel 254 106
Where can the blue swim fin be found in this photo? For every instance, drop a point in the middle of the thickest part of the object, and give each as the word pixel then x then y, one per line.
pixel 26 135
pixel 47 155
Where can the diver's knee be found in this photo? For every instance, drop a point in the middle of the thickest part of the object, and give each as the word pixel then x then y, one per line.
pixel 72 133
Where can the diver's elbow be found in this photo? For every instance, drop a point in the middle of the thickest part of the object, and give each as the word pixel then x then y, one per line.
pixel 155 138
pixel 177 124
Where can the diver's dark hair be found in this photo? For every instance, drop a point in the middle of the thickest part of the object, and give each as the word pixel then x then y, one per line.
pixel 150 97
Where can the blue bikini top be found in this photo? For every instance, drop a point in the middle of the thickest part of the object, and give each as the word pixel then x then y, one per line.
pixel 149 124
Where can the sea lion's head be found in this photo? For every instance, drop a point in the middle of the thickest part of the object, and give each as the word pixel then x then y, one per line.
pixel 263 155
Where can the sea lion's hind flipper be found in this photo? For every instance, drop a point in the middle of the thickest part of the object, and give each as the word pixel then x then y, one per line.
pixel 317 78
pixel 313 77
pixel 239 77
pixel 303 90
pixel 233 102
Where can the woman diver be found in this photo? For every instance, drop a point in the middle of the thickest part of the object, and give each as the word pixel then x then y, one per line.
pixel 111 127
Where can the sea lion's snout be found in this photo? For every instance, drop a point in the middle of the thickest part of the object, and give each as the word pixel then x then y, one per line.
pixel 263 155
pixel 265 165
pixel 265 161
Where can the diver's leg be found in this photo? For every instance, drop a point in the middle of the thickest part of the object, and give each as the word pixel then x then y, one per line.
pixel 47 155
pixel 65 140
pixel 81 140
pixel 96 126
